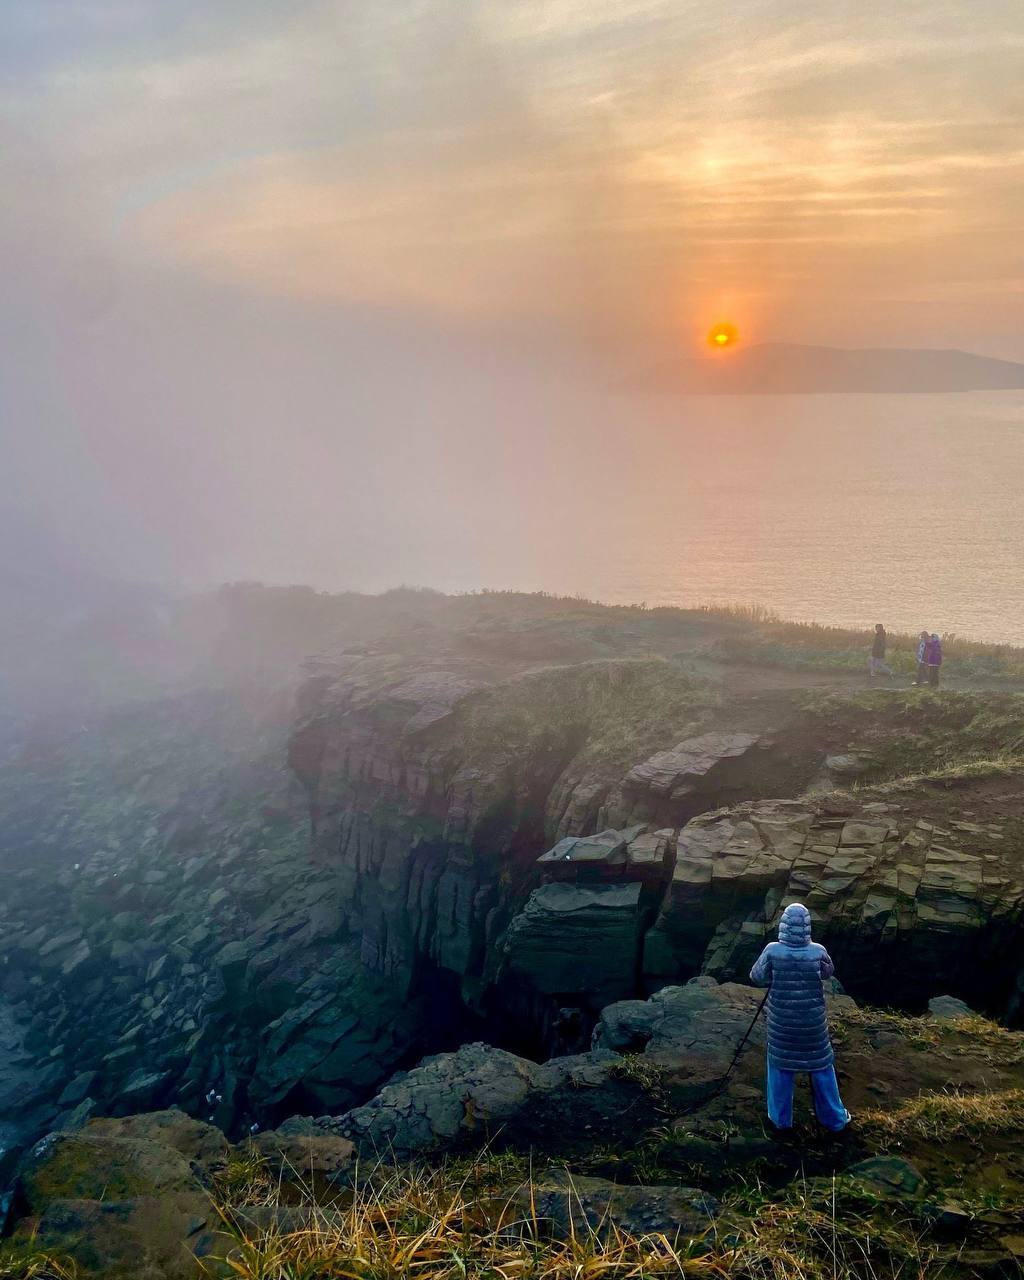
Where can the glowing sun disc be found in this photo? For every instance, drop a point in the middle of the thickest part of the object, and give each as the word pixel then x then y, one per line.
pixel 723 335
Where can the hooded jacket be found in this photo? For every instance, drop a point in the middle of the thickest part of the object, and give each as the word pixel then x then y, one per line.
pixel 795 968
pixel 933 652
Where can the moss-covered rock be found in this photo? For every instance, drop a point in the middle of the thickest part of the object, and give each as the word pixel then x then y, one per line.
pixel 92 1166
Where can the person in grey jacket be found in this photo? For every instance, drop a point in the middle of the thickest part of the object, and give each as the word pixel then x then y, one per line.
pixel 795 969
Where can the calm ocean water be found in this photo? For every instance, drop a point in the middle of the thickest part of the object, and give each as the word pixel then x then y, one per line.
pixel 844 509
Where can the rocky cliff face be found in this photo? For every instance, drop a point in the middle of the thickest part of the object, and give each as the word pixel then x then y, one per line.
pixel 165 936
pixel 431 804
pixel 432 797
pixel 466 846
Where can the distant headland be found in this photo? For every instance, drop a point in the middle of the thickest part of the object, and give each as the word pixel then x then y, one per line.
pixel 774 368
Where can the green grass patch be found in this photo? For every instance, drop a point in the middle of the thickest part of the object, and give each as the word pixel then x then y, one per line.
pixel 607 711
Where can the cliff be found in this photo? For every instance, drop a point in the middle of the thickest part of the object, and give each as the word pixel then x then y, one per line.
pixel 494 821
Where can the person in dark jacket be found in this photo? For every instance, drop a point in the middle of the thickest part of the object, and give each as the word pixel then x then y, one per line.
pixel 933 656
pixel 876 663
pixel 795 970
pixel 922 658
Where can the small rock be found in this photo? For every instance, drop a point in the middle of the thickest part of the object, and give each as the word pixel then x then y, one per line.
pixel 888 1176
pixel 326 1154
pixel 847 765
pixel 948 1008
pixel 566 1203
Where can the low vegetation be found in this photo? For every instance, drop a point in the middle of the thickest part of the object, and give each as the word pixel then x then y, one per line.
pixel 25 1262
pixel 445 1224
pixel 763 637
pixel 618 710
pixel 948 1116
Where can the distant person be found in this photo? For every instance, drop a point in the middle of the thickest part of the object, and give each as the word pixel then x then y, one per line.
pixel 933 657
pixel 876 663
pixel 795 969
pixel 922 658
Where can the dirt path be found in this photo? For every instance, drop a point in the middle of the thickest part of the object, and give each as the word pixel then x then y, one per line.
pixel 744 679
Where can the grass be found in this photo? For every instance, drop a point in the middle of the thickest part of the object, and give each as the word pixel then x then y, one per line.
pixel 247 1179
pixel 948 1116
pixel 615 711
pixel 826 1229
pixel 1002 765
pixel 639 1069
pixel 428 1224
pixel 950 1036
pixel 764 637
pixel 25 1262
pixel 433 1224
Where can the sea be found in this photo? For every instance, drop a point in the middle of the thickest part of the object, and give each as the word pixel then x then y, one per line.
pixel 841 509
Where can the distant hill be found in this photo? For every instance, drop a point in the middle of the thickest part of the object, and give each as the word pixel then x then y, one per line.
pixel 788 368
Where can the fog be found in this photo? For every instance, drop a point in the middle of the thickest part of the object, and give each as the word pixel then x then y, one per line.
pixel 343 294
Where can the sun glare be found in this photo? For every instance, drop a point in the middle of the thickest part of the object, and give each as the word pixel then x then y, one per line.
pixel 723 335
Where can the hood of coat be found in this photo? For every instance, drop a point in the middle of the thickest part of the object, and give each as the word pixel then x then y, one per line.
pixel 795 925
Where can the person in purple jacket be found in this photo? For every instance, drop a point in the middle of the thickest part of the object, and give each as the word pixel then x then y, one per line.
pixel 795 969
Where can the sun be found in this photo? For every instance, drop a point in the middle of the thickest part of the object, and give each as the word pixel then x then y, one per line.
pixel 723 335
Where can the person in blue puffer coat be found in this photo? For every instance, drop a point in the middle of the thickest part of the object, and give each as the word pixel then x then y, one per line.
pixel 795 969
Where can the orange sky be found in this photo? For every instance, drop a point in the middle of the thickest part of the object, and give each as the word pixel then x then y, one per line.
pixel 630 169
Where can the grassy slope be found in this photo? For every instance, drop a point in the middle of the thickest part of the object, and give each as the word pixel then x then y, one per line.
pixel 810 1221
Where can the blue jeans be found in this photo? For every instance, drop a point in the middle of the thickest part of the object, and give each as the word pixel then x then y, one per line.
pixel 828 1105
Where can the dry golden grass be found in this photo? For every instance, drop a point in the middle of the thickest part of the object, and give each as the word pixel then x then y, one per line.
pixel 948 1116
pixel 425 1223
pixel 947 1036
pixel 772 626
pixel 428 1225
pixel 1003 765
pixel 25 1262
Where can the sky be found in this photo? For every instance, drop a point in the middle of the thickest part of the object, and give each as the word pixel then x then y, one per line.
pixel 291 290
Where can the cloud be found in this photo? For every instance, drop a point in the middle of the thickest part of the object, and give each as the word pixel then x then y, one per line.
pixel 266 266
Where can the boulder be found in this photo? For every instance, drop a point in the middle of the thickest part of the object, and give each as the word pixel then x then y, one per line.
pixel 693 1030
pixel 200 1143
pixel 578 942
pixel 848 765
pixel 948 1008
pixel 604 851
pixel 77 1090
pixel 89 1165
pixel 170 1237
pixel 449 1098
pixel 323 1154
pixel 454 1098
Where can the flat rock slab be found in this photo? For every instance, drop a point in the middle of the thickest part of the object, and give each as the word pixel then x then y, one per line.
pixel 568 1204
pixel 578 941
pixel 607 848
pixel 889 1176
pixel 431 696
pixel 672 772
